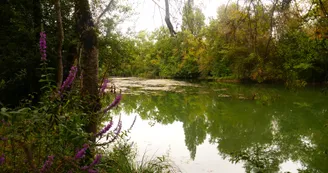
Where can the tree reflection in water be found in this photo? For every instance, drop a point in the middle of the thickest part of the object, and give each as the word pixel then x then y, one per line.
pixel 261 126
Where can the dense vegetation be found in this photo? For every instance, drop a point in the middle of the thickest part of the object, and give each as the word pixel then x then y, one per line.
pixel 51 116
pixel 56 56
pixel 283 41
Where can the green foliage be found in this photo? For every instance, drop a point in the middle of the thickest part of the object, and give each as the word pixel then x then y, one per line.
pixel 298 65
pixel 247 42
pixel 54 127
pixel 18 51
pixel 123 159
pixel 160 55
pixel 115 55
pixel 20 56
pixel 193 19
pixel 254 42
pixel 41 124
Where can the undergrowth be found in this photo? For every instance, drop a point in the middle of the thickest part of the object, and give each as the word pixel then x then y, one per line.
pixel 51 135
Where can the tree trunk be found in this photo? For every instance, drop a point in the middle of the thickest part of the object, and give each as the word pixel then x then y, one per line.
pixel 167 18
pixel 34 85
pixel 60 44
pixel 89 63
pixel 271 28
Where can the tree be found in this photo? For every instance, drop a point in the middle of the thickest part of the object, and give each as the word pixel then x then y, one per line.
pixel 167 18
pixel 21 26
pixel 89 62
pixel 60 44
pixel 192 19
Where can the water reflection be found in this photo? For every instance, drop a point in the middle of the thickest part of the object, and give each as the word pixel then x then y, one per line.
pixel 263 128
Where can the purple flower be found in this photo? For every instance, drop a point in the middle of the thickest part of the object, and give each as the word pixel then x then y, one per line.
pixel 96 161
pixel 103 86
pixel 80 154
pixel 114 103
pixel 5 123
pixel 69 80
pixel 43 46
pixel 2 159
pixel 105 129
pixel 47 164
pixel 134 121
pixel 118 127
pixel 3 138
pixel 92 171
pixel 117 130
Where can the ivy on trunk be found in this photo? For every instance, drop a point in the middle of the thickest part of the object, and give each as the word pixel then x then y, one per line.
pixel 89 62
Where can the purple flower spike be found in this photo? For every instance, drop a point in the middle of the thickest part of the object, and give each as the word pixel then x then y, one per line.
pixel 69 80
pixel 117 131
pixel 95 162
pixel 43 46
pixel 104 86
pixel 47 164
pixel 114 103
pixel 80 154
pixel 2 159
pixel 105 129
pixel 92 171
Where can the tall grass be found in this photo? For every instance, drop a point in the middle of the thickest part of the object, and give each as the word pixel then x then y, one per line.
pixel 123 158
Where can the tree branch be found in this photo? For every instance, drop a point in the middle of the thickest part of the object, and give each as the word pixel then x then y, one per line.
pixel 167 18
pixel 323 8
pixel 158 5
pixel 102 13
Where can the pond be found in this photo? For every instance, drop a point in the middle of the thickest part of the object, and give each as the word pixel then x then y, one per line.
pixel 221 127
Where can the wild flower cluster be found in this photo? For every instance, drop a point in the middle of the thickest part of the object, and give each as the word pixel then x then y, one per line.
pixel 103 86
pixel 45 125
pixel 47 164
pixel 69 80
pixel 117 131
pixel 113 104
pixel 105 129
pixel 80 154
pixel 2 159
pixel 95 162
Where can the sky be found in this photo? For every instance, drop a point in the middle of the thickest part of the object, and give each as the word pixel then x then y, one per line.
pixel 149 16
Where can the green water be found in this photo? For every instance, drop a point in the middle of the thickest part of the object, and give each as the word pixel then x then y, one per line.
pixel 255 128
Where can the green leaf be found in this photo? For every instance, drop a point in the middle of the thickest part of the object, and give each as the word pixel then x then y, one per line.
pixel 4 109
pixel 303 66
pixel 5 114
